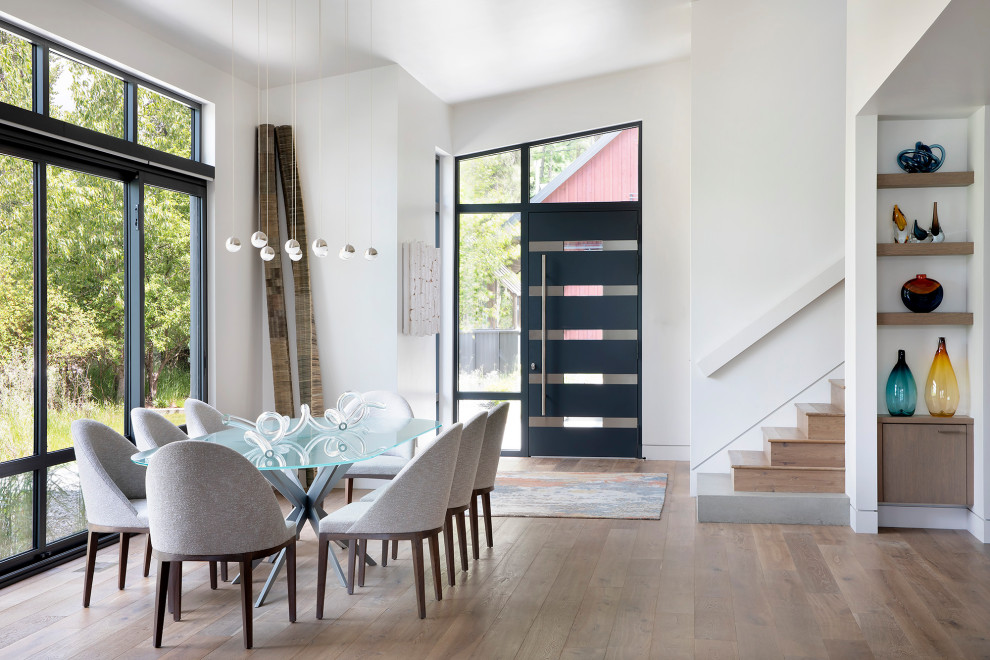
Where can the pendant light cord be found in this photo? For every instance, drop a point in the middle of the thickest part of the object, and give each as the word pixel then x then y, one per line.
pixel 371 126
pixel 347 118
pixel 233 142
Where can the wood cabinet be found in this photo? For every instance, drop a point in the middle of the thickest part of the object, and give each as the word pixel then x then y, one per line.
pixel 925 460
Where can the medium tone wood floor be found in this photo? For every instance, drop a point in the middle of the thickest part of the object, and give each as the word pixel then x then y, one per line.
pixel 562 588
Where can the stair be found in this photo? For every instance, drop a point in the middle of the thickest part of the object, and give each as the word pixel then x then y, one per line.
pixel 807 458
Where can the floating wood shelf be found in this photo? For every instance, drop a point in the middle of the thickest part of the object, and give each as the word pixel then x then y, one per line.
pixel 932 318
pixel 919 180
pixel 923 249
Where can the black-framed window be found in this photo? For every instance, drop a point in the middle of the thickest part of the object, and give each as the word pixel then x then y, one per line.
pixel 495 190
pixel 102 256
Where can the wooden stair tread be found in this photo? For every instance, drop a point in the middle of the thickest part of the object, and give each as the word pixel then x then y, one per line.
pixel 821 410
pixel 794 434
pixel 742 459
pixel 838 382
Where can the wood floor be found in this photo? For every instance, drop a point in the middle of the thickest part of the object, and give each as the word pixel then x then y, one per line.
pixel 563 588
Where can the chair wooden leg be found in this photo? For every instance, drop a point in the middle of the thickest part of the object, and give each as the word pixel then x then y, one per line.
pixel 462 539
pixel 247 603
pixel 351 556
pixel 434 540
pixel 486 504
pixel 473 514
pixel 290 577
pixel 147 557
pixel 125 540
pixel 175 590
pixel 448 548
pixel 362 551
pixel 395 549
pixel 417 550
pixel 161 595
pixel 385 553
pixel 348 490
pixel 321 576
pixel 91 540
pixel 213 575
pixel 223 572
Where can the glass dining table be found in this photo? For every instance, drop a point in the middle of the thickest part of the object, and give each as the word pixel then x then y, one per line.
pixel 331 451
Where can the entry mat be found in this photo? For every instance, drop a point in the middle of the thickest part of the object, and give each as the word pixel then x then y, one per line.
pixel 624 495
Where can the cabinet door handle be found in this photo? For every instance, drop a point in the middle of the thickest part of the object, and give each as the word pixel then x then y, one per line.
pixel 943 429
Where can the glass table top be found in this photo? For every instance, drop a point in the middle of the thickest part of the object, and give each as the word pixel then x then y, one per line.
pixel 313 447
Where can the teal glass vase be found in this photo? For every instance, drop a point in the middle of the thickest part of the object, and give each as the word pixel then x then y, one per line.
pixel 902 393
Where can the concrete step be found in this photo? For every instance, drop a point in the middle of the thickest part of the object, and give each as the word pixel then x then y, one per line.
pixel 752 471
pixel 838 392
pixel 787 445
pixel 821 420
pixel 717 502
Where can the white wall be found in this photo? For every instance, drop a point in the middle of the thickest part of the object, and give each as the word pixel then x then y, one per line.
pixel 234 333
pixel 660 97
pixel 768 86
pixel 383 162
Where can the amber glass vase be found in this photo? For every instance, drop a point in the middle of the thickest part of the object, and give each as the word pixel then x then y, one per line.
pixel 941 388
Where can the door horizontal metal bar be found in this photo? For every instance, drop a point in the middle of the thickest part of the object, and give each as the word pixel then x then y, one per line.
pixel 605 335
pixel 607 422
pixel 607 379
pixel 606 246
pixel 610 290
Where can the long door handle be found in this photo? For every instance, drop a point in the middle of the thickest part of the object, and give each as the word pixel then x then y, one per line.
pixel 543 341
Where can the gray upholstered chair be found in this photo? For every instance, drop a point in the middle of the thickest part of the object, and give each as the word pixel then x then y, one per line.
pixel 461 490
pixel 113 492
pixel 388 464
pixel 152 430
pixel 484 483
pixel 412 508
pixel 206 502
pixel 202 418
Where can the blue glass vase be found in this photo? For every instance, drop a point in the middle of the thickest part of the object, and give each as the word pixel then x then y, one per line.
pixel 902 393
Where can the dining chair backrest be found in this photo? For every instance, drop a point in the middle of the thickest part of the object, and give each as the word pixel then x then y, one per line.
pixel 416 500
pixel 206 499
pixel 153 430
pixel 395 406
pixel 108 477
pixel 472 438
pixel 202 418
pixel 491 449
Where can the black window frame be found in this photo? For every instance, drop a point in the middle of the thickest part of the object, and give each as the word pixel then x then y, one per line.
pixel 34 136
pixel 524 207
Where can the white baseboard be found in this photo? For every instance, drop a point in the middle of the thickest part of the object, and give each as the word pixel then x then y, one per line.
pixel 979 527
pixel 924 517
pixel 667 452
pixel 863 522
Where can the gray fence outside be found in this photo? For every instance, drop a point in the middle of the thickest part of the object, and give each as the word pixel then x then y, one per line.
pixel 489 350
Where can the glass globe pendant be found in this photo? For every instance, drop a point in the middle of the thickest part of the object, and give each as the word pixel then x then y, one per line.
pixel 371 254
pixel 292 246
pixel 296 256
pixel 268 253
pixel 320 248
pixel 259 239
pixel 346 252
pixel 233 244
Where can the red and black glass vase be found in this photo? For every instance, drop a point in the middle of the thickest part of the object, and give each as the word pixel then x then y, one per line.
pixel 922 294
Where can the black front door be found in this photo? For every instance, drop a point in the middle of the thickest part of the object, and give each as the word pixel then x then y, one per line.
pixel 583 313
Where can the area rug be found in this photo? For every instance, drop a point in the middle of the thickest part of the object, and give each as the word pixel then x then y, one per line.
pixel 627 495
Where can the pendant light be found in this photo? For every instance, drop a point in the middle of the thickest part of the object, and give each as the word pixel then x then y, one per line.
pixel 292 247
pixel 371 253
pixel 347 251
pixel 259 239
pixel 267 252
pixel 320 247
pixel 233 243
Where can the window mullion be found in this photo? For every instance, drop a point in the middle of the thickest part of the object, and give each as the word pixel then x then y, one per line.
pixel 39 228
pixel 39 78
pixel 133 298
pixel 130 111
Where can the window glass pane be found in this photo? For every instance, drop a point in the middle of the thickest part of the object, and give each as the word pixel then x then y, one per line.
pixel 66 514
pixel 489 315
pixel 15 514
pixel 491 179
pixel 164 123
pixel 16 308
pixel 512 439
pixel 85 302
pixel 85 96
pixel 15 70
pixel 594 168
pixel 166 300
